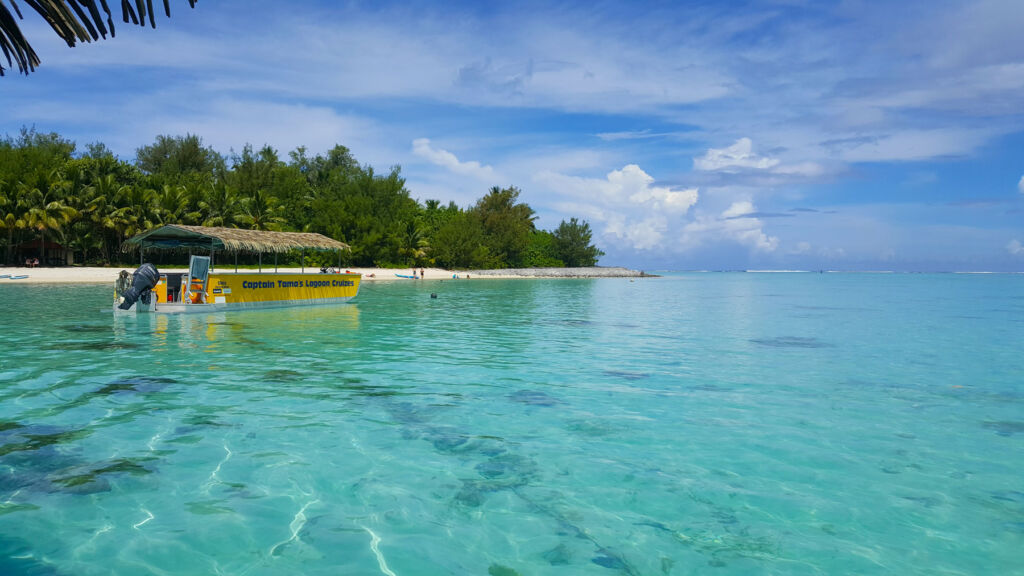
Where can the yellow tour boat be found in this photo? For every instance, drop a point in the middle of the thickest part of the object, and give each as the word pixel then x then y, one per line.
pixel 201 289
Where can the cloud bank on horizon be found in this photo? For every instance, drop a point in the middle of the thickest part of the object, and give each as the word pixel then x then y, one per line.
pixel 855 135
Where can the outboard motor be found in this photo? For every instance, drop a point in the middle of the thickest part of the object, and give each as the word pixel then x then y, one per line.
pixel 143 281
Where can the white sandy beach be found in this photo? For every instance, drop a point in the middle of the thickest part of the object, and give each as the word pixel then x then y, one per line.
pixel 89 275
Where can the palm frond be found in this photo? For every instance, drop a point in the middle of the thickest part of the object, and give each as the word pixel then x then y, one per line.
pixel 73 20
pixel 13 44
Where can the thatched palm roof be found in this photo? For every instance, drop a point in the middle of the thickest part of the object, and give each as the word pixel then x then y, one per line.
pixel 180 237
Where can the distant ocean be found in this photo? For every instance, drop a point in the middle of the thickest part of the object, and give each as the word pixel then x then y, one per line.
pixel 698 423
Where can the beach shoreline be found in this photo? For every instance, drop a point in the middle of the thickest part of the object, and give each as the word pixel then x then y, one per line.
pixel 98 275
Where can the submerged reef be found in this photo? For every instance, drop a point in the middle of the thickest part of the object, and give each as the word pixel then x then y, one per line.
pixel 790 342
pixel 534 398
pixel 1005 427
pixel 137 384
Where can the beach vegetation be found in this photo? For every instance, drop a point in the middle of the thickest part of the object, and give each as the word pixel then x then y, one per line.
pixel 540 253
pixel 507 225
pixel 90 202
pixel 572 244
pixel 459 243
pixel 174 157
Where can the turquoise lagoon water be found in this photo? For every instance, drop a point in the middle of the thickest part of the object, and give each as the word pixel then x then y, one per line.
pixel 691 424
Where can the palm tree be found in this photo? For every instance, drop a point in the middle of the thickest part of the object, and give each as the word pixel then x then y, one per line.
pixel 195 192
pixel 136 211
pixel 47 211
pixel 70 187
pixel 11 216
pixel 259 212
pixel 102 207
pixel 220 206
pixel 69 20
pixel 84 237
pixel 171 204
pixel 414 242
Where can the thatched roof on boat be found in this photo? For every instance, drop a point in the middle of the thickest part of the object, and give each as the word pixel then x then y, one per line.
pixel 181 237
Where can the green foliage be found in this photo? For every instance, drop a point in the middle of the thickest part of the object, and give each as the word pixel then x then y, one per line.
pixel 174 156
pixel 366 211
pixel 541 251
pixel 459 243
pixel 507 226
pixel 252 172
pixel 572 244
pixel 92 202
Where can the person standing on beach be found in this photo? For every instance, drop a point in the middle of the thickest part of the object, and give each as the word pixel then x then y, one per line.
pixel 423 275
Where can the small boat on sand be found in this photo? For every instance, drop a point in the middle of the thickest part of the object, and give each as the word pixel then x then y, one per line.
pixel 201 289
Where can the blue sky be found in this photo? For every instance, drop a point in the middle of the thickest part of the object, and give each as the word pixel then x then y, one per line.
pixel 701 135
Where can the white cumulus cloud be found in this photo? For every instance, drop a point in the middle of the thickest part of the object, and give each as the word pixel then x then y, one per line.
pixel 628 209
pixel 422 148
pixel 634 183
pixel 739 209
pixel 641 234
pixel 1015 248
pixel 626 203
pixel 735 224
pixel 1020 185
pixel 739 155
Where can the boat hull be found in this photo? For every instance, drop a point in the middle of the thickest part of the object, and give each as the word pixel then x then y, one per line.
pixel 252 291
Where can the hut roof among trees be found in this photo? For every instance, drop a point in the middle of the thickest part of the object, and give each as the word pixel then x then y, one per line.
pixel 179 236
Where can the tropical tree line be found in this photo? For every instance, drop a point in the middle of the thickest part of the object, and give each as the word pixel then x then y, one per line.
pixel 90 202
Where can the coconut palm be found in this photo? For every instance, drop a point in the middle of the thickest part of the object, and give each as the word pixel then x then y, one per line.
pixel 11 215
pixel 69 187
pixel 195 192
pixel 84 238
pixel 47 211
pixel 82 234
pixel 136 212
pixel 259 212
pixel 220 206
pixel 413 242
pixel 72 20
pixel 171 204
pixel 102 208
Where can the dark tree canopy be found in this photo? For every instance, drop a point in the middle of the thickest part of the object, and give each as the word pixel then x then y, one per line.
pixel 73 20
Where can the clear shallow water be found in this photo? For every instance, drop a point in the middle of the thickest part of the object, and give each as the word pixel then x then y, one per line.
pixel 697 423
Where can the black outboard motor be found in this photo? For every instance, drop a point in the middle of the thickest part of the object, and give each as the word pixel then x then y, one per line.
pixel 143 281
